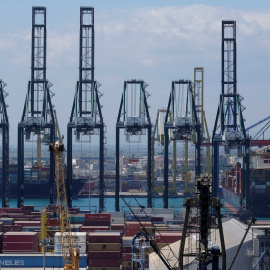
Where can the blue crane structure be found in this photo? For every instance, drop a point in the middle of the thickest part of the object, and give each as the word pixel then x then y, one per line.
pixel 86 116
pixel 4 127
pixel 37 114
pixel 229 128
pixel 134 118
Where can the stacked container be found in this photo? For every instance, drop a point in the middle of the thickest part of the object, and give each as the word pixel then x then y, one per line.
pixel 78 238
pixel 20 242
pixel 133 227
pixel 104 250
pixel 126 253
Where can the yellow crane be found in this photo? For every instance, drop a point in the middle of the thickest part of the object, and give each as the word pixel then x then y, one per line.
pixel 71 260
pixel 158 136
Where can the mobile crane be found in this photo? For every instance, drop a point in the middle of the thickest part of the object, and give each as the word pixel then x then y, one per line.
pixel 70 262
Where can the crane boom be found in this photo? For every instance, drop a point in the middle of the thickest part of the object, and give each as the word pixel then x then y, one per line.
pixel 72 261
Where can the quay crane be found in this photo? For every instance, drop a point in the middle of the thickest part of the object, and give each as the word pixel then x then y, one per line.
pixel 72 261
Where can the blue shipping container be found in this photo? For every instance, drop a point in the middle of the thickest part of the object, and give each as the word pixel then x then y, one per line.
pixel 33 260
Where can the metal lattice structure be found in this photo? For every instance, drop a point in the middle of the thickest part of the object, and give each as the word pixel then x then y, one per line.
pixel 229 128
pixel 4 129
pixel 199 104
pixel 158 136
pixel 204 223
pixel 183 122
pixel 37 114
pixel 70 256
pixel 135 120
pixel 86 117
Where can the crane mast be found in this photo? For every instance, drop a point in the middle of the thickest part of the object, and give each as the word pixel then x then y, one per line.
pixel 71 261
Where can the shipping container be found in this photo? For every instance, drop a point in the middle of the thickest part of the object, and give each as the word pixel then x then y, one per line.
pixel 97 223
pixel 28 223
pixel 115 227
pixel 104 254
pixel 19 247
pixel 104 247
pixel 104 262
pixel 99 237
pixel 7 221
pixel 126 249
pixel 103 268
pixel 20 237
pixel 126 241
pixel 12 228
pixel 126 256
pixel 79 237
pixel 94 228
pixel 28 261
pixel 102 216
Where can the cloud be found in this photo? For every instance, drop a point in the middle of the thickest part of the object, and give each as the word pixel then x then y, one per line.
pixel 155 44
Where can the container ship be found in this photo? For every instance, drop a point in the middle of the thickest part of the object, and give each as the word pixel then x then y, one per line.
pixel 259 188
pixel 36 182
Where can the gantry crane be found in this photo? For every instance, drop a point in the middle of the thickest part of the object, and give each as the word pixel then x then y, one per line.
pixel 133 116
pixel 86 116
pixel 70 261
pixel 183 123
pixel 229 128
pixel 4 127
pixel 37 114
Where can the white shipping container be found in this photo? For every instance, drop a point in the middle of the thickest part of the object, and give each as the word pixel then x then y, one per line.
pixel 117 220
pixel 79 237
pixel 81 246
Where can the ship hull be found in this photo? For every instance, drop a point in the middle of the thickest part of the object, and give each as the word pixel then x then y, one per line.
pixel 259 203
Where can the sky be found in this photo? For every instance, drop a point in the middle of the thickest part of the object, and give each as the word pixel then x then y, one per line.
pixel 157 41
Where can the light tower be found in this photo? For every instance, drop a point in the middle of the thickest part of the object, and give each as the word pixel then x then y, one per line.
pixel 4 127
pixel 229 129
pixel 37 114
pixel 86 116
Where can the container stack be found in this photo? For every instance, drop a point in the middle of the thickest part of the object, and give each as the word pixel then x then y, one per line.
pixel 126 253
pixel 133 227
pixel 20 242
pixel 78 238
pixel 96 222
pixel 104 250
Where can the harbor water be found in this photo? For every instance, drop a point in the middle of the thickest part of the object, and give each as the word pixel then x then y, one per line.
pixel 93 203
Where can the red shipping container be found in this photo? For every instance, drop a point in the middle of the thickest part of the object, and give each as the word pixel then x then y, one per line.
pixel 104 262
pixel 20 237
pixel 132 225
pixel 104 254
pixel 131 232
pixel 126 256
pixel 28 223
pixel 115 227
pixel 19 246
pixel 104 237
pixel 12 228
pixel 97 223
pixel 126 249
pixel 94 228
pixel 157 219
pixel 168 237
pixel 89 216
